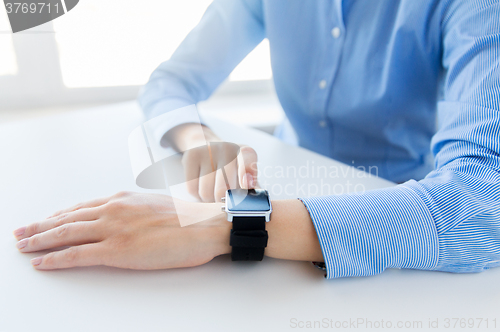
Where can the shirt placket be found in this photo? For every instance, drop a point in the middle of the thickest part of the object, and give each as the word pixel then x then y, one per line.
pixel 334 41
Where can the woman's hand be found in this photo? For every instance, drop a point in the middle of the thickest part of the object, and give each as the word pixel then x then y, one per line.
pixel 127 230
pixel 239 164
pixel 199 161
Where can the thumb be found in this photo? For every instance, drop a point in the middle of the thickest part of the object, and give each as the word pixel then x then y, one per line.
pixel 247 167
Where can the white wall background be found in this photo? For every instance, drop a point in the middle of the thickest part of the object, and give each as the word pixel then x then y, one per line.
pixel 103 51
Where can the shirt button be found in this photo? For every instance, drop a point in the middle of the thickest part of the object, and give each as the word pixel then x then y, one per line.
pixel 322 123
pixel 336 32
pixel 322 84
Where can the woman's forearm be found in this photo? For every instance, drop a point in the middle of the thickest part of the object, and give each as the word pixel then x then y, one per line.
pixel 291 233
pixel 189 135
pixel 142 231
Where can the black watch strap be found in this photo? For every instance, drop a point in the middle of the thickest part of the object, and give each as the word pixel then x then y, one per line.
pixel 248 238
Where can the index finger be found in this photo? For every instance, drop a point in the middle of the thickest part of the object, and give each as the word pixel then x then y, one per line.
pixel 247 167
pixel 84 255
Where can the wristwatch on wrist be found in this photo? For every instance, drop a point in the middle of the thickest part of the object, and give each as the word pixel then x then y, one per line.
pixel 248 210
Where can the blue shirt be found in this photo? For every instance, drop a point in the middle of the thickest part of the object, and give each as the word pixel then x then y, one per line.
pixel 411 87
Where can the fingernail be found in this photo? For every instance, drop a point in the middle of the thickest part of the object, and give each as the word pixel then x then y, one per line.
pixel 19 232
pixel 250 181
pixel 36 261
pixel 21 244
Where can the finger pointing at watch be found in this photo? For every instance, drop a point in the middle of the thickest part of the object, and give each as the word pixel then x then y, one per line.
pixel 247 167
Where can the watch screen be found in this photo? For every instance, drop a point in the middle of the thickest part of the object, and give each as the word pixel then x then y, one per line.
pixel 248 200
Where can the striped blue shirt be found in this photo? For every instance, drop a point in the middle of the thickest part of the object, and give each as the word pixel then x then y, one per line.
pixel 411 87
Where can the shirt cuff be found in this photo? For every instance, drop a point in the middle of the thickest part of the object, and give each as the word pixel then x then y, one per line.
pixel 362 234
pixel 167 115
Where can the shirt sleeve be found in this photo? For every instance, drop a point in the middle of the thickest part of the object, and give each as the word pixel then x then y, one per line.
pixel 227 32
pixel 450 220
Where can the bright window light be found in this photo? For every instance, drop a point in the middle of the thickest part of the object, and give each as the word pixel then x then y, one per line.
pixel 121 42
pixel 8 63
pixel 256 65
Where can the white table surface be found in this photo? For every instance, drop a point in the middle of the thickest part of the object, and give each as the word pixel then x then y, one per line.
pixel 53 162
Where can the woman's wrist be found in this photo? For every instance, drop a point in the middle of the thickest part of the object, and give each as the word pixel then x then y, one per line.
pixel 291 232
pixel 189 135
pixel 223 232
pixel 218 228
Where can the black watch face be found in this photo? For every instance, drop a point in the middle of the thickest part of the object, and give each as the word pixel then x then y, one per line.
pixel 248 200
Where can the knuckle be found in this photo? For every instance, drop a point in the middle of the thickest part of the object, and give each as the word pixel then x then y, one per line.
pixel 62 230
pixel 248 150
pixel 55 214
pixel 33 228
pixel 60 218
pixel 115 206
pixel 123 194
pixel 98 227
pixel 34 241
pixel 192 189
pixel 206 194
pixel 70 254
pixel 49 259
pixel 77 206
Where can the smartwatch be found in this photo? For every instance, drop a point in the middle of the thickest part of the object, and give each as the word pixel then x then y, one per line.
pixel 249 211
